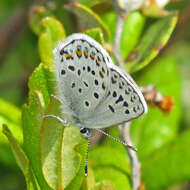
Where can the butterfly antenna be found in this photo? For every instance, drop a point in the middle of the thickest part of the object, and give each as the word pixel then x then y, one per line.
pixel 86 161
pixel 115 139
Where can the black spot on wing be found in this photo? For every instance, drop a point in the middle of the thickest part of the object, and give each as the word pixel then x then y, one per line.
pixel 120 99
pixel 70 67
pixel 63 72
pixel 111 108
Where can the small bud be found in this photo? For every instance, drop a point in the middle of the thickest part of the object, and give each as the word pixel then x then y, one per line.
pixel 130 5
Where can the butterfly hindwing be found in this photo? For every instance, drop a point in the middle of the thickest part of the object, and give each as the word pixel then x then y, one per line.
pixel 122 103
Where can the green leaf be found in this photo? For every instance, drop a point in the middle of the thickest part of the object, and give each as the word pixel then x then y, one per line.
pixel 104 185
pixel 14 122
pixel 53 31
pixel 62 152
pixel 117 179
pixel 168 165
pixel 87 18
pixel 110 19
pixel 151 43
pixel 21 160
pixel 49 30
pixel 57 157
pixel 35 17
pixel 108 167
pixel 90 180
pixel 90 3
pixel 90 183
pixel 76 172
pixel 51 137
pixel 156 129
pixel 97 34
pixel 18 152
pixel 74 150
pixel 132 30
pixel 64 16
pixel 32 117
pixel 42 80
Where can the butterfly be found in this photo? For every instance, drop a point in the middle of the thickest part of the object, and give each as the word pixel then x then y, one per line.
pixel 94 93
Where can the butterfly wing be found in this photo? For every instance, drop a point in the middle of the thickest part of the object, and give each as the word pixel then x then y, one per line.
pixel 94 92
pixel 81 73
pixel 123 102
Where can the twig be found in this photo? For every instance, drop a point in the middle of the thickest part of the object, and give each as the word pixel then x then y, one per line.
pixel 117 40
pixel 136 166
pixel 125 129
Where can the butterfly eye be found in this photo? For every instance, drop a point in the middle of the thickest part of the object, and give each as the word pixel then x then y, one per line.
pixel 83 130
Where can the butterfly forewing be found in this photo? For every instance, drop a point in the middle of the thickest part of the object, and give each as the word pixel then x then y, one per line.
pixel 81 76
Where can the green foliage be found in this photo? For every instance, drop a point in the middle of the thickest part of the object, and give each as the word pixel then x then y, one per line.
pixel 14 122
pixel 152 42
pixel 97 34
pixel 132 30
pixel 49 30
pixel 157 129
pixel 52 156
pixel 21 159
pixel 88 19
pixel 171 164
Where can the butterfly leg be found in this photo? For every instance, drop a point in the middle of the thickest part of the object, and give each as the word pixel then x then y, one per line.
pixel 57 98
pixel 62 121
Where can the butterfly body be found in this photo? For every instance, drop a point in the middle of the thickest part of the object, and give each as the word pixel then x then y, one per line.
pixel 94 92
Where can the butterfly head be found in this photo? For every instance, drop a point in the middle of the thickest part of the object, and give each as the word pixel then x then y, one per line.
pixel 86 132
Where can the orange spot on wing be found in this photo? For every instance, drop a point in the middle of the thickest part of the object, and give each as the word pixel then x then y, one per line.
pixel 85 54
pixel 69 56
pixel 101 74
pixel 79 53
pixel 91 56
pixel 103 86
pixel 97 63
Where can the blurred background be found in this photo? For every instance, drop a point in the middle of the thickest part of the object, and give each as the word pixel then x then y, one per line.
pixel 19 56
